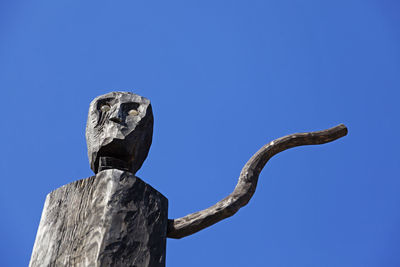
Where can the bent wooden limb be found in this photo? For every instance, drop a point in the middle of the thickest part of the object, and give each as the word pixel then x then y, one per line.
pixel 246 186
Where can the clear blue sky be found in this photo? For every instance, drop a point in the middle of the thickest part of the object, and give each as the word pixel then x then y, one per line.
pixel 224 78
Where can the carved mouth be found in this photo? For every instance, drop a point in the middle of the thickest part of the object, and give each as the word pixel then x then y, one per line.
pixel 117 149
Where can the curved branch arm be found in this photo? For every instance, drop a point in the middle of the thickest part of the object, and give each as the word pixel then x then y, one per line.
pixel 247 183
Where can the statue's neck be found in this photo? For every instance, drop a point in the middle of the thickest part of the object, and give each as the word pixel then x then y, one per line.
pixel 106 163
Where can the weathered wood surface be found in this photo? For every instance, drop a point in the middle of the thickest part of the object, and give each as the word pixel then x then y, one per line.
pixel 119 126
pixel 111 219
pixel 247 183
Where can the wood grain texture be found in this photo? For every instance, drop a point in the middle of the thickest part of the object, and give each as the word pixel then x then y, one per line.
pixel 111 219
pixel 119 126
pixel 246 186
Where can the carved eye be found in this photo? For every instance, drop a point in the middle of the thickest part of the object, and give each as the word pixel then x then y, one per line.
pixel 105 108
pixel 133 112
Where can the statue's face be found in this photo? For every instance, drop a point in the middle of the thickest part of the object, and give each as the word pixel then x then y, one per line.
pixel 120 126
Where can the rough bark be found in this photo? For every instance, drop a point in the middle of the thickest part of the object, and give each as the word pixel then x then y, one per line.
pixel 111 219
pixel 247 183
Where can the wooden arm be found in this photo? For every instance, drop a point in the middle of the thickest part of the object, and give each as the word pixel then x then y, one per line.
pixel 246 186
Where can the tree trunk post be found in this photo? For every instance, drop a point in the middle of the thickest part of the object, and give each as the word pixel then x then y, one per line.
pixel 111 219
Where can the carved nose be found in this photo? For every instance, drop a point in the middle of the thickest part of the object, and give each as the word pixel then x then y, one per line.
pixel 115 115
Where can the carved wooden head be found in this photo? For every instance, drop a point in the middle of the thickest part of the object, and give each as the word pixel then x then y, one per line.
pixel 119 131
